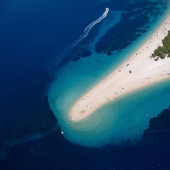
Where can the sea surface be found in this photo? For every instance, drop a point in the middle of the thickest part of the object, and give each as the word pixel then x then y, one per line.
pixel 46 65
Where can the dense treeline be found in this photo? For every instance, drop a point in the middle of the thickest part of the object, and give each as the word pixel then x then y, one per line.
pixel 162 52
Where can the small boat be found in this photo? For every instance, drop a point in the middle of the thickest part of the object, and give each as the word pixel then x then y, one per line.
pixel 62 132
pixel 111 98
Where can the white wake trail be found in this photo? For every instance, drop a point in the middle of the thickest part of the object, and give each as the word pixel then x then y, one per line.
pixel 89 27
pixel 85 33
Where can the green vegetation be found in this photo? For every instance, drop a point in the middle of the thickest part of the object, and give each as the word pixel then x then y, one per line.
pixel 163 51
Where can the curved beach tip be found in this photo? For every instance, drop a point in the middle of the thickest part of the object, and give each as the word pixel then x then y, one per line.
pixel 107 9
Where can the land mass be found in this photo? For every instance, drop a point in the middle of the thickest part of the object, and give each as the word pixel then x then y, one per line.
pixel 139 71
pixel 163 51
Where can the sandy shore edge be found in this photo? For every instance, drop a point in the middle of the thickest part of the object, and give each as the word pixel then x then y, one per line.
pixel 138 71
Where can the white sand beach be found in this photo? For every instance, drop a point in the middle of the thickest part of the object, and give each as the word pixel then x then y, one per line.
pixel 140 70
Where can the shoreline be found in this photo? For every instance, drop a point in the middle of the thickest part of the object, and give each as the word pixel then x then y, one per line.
pixel 138 71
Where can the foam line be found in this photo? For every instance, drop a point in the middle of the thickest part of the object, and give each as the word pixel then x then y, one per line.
pixel 90 26
pixel 85 33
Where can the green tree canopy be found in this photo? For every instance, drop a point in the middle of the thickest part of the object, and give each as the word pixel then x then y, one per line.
pixel 161 52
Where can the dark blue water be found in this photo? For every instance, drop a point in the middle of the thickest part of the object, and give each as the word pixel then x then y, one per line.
pixel 32 36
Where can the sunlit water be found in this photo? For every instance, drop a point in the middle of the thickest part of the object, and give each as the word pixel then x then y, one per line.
pixel 125 118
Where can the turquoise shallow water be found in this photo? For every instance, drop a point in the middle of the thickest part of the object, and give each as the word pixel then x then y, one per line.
pixel 125 118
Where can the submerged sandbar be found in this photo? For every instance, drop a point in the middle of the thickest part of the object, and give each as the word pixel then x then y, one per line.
pixel 138 71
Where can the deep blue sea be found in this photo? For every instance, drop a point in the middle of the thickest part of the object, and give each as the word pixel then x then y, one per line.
pixel 39 48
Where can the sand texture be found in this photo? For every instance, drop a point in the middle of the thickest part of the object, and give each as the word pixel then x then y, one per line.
pixel 140 70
